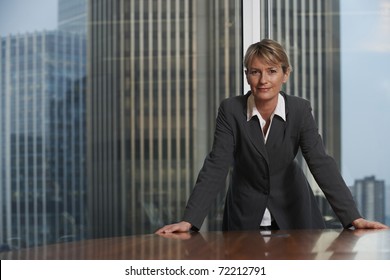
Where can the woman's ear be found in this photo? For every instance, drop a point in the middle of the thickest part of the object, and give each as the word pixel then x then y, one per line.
pixel 286 75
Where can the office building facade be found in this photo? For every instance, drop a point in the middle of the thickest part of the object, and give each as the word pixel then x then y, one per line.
pixel 158 70
pixel 42 101
pixel 369 194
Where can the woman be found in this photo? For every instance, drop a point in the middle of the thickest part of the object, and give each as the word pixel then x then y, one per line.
pixel 259 134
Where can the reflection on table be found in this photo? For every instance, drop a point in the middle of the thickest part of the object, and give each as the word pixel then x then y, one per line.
pixel 276 245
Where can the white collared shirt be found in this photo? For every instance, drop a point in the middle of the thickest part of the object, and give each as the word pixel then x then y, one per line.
pixel 252 111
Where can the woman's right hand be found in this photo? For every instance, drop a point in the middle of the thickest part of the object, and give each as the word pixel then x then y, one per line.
pixel 182 226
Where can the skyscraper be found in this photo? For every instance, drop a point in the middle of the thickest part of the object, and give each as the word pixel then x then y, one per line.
pixel 158 72
pixel 369 194
pixel 42 93
pixel 42 103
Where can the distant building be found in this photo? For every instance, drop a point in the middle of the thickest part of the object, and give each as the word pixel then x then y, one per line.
pixel 369 194
pixel 42 124
pixel 158 72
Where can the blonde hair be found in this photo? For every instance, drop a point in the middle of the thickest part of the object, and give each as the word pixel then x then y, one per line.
pixel 270 51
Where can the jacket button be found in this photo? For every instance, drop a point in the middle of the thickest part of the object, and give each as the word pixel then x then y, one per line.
pixel 266 192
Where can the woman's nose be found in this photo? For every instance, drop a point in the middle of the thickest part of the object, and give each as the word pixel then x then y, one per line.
pixel 263 79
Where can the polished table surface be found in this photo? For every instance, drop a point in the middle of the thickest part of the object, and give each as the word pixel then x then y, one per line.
pixel 239 245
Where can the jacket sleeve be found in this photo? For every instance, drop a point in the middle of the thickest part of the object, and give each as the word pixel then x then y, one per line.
pixel 325 170
pixel 212 176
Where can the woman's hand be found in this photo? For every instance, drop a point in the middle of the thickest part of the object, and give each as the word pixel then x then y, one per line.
pixel 178 227
pixel 364 224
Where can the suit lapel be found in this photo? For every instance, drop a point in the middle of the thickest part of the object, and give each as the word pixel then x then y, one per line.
pixel 278 129
pixel 253 130
pixel 256 136
pixel 276 133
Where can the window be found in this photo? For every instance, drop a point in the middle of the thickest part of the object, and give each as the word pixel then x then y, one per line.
pixel 130 134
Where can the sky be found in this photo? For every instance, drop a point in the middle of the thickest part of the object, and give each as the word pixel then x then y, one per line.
pixel 365 43
pixel 21 16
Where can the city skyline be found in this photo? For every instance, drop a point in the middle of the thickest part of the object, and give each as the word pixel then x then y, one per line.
pixel 358 159
pixel 361 59
pixel 42 78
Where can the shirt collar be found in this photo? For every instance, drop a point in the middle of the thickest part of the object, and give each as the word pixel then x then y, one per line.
pixel 252 111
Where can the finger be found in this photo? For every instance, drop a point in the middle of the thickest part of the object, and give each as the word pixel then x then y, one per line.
pixel 167 229
pixel 162 230
pixel 381 226
pixel 172 228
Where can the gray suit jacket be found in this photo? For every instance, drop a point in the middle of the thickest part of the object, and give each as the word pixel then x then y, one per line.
pixel 266 175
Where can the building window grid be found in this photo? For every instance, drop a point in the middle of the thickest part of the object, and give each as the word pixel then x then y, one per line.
pixel 29 151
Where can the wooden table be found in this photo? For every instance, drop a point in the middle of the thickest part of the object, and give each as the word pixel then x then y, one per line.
pixel 276 245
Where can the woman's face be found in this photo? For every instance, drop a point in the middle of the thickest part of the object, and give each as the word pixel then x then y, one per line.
pixel 265 80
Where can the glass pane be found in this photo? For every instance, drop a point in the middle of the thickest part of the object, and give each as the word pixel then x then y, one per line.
pixel 107 112
pixel 107 108
pixel 43 147
pixel 365 49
